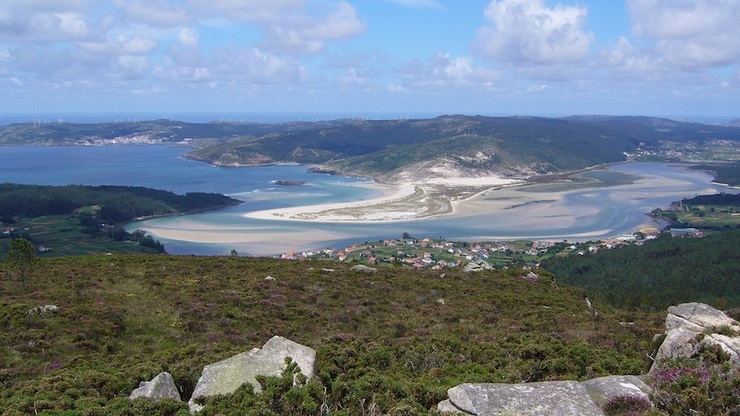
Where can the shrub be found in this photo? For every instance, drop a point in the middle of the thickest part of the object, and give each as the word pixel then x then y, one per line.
pixel 627 405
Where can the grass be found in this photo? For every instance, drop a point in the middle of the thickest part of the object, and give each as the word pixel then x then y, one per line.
pixel 394 339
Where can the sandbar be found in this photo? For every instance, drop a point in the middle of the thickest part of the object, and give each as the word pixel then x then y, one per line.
pixel 404 201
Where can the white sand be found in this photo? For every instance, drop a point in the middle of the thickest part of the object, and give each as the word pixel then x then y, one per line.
pixel 390 205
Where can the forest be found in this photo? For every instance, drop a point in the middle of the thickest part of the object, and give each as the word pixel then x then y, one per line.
pixel 116 204
pixel 660 273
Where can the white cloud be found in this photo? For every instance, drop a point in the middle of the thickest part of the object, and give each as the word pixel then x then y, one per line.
pixel 689 34
pixel 627 59
pixel 352 80
pixel 419 4
pixel 446 71
pixel 307 34
pixel 188 37
pixel 529 32
pixel 157 13
pixel 130 67
pixel 254 66
pixel 136 45
pixel 249 11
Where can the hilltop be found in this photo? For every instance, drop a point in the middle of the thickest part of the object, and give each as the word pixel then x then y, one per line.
pixel 391 340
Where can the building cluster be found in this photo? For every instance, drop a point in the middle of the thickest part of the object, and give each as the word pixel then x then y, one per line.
pixel 436 254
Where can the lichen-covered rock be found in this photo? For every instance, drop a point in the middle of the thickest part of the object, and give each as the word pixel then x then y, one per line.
pixel 159 388
pixel 226 376
pixel 477 266
pixel 563 398
pixel 698 317
pixel 603 389
pixel 693 326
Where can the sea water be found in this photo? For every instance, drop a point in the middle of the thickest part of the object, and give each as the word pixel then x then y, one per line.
pixel 598 212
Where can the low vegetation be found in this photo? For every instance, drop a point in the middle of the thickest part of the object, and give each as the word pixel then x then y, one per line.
pixel 389 342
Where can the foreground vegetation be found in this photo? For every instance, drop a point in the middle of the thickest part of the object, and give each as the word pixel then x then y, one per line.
pixel 392 341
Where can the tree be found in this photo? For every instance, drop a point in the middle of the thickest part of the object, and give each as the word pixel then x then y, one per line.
pixel 21 257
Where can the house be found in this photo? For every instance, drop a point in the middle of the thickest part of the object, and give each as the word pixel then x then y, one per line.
pixel 686 232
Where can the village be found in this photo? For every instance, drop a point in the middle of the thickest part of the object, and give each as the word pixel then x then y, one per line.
pixel 435 254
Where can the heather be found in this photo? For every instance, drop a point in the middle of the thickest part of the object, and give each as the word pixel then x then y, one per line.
pixel 395 339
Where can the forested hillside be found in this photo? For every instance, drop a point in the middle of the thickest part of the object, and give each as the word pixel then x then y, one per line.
pixel 662 272
pixel 77 219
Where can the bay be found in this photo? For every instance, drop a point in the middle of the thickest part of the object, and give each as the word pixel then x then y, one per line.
pixel 550 212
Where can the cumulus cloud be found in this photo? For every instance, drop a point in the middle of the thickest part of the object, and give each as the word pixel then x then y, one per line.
pixel 308 34
pixel 690 34
pixel 446 71
pixel 23 25
pixel 530 32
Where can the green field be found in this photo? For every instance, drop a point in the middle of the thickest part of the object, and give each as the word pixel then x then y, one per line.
pixel 64 235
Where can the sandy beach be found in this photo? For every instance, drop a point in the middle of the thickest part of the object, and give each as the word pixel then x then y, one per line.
pixel 400 202
pixel 467 209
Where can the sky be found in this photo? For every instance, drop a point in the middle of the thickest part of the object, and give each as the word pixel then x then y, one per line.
pixel 359 58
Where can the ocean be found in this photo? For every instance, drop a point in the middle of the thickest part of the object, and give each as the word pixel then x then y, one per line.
pixel 589 213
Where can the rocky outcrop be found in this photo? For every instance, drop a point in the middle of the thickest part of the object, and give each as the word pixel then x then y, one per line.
pixel 690 327
pixel 159 388
pixel 562 398
pixel 226 376
pixel 477 266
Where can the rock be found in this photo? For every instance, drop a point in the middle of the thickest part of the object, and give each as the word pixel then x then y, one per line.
pixel 697 317
pixel 44 310
pixel 226 376
pixel 563 398
pixel 445 407
pixel 693 326
pixel 477 266
pixel 530 277
pixel 363 268
pixel 161 387
pixel 603 389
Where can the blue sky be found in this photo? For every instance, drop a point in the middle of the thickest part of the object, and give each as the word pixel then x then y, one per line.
pixel 366 57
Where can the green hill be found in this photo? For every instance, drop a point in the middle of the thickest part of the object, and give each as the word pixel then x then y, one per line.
pixel 660 273
pixel 393 341
pixel 510 145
